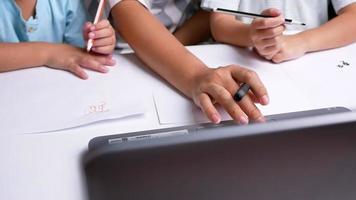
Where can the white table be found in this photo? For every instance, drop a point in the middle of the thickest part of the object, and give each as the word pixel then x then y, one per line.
pixel 48 166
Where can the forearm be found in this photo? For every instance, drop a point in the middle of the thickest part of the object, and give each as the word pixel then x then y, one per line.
pixel 336 33
pixel 195 30
pixel 227 29
pixel 156 46
pixel 14 56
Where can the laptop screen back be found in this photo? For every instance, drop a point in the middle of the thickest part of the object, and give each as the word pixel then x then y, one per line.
pixel 315 163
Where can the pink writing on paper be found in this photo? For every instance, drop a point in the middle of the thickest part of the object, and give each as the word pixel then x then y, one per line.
pixel 100 107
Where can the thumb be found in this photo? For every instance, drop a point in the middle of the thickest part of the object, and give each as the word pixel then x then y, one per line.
pixel 271 12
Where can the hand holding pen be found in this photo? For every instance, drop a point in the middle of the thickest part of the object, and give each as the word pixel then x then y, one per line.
pixel 100 34
pixel 266 35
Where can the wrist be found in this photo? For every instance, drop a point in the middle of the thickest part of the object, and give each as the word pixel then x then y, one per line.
pixel 249 31
pixel 48 51
pixel 194 79
pixel 305 41
pixel 51 52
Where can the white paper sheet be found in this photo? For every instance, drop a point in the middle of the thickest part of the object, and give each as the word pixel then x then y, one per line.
pixel 42 99
pixel 284 94
pixel 328 77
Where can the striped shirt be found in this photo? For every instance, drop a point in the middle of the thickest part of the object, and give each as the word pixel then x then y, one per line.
pixel 171 13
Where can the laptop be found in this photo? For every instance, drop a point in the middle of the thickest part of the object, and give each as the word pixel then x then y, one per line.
pixel 308 155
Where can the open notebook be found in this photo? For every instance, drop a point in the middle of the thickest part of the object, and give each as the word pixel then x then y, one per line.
pixel 317 80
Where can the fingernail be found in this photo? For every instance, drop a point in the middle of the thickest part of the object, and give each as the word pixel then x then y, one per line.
pixel 243 121
pixel 92 28
pixel 261 120
pixel 113 61
pixel 85 76
pixel 264 100
pixel 92 35
pixel 104 69
pixel 216 119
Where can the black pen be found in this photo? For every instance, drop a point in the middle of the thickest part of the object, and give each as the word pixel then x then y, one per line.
pixel 254 16
pixel 239 95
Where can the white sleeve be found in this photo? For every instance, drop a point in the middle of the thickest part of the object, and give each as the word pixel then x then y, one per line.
pixel 340 4
pixel 227 4
pixel 112 3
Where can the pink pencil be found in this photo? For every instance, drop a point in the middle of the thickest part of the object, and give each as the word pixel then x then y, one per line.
pixel 99 12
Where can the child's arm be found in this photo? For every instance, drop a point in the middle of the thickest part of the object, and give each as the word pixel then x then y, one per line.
pixel 14 56
pixel 338 32
pixel 226 29
pixel 103 35
pixel 162 52
pixel 199 25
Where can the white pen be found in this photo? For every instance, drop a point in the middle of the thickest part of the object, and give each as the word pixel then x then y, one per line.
pixel 254 16
pixel 96 20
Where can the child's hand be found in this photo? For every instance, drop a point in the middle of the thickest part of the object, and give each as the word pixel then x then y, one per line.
pixel 103 36
pixel 292 47
pixel 266 33
pixel 219 85
pixel 74 59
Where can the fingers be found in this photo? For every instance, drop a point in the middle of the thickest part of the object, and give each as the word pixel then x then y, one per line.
pixel 78 71
pixel 102 25
pixel 94 64
pixel 102 29
pixel 270 33
pixel 208 108
pixel 86 30
pixel 225 99
pixel 104 42
pixel 269 52
pixel 276 19
pixel 272 12
pixel 268 41
pixel 110 61
pixel 248 106
pixel 103 36
pixel 265 33
pixel 278 58
pixel 103 49
pixel 101 33
pixel 250 77
pixel 253 97
pixel 107 60
pixel 220 85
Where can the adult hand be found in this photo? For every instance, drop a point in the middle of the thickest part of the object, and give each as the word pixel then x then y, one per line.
pixel 219 86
